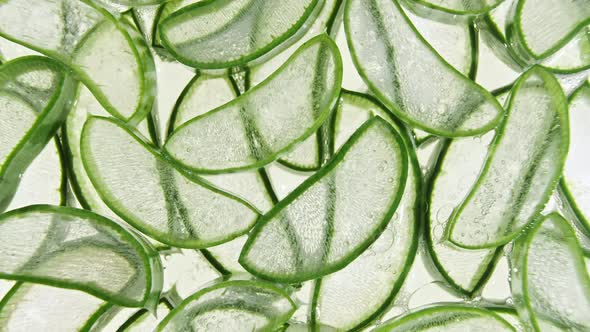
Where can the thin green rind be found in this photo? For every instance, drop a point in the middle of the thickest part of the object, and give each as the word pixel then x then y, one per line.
pixel 244 59
pixel 429 5
pixel 516 39
pixel 560 104
pixel 453 314
pixel 248 283
pixel 138 224
pixel 418 216
pixel 519 272
pixel 324 113
pixel 487 270
pixel 149 257
pixel 309 182
pixel 48 121
pixel 565 190
pixel 395 108
pixel 140 52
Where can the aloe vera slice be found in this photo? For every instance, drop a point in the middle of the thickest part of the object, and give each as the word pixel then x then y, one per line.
pixel 400 66
pixel 36 307
pixel 65 247
pixel 171 206
pixel 537 29
pixel 550 282
pixel 35 96
pixel 108 55
pixel 229 33
pixel 448 318
pixel 576 180
pixel 235 305
pixel 335 214
pixel 352 297
pixel 263 123
pixel 457 169
pixel 522 169
pixel 458 7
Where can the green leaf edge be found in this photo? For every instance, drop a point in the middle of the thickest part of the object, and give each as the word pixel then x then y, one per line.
pixel 138 224
pixel 148 255
pixel 394 108
pixel 559 100
pixel 361 247
pixel 324 113
pixel 451 11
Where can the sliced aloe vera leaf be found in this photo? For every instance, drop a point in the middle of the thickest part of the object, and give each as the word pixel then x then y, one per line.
pixel 573 57
pixel 352 297
pixel 454 41
pixel 263 123
pixel 456 171
pixel 36 307
pixel 537 29
pixel 575 182
pixel 108 55
pixel 229 33
pixel 35 95
pixel 44 181
pixel 335 214
pixel 458 7
pixel 399 66
pixel 522 168
pixel 235 305
pixel 550 282
pixel 171 206
pixel 65 247
pixel 448 318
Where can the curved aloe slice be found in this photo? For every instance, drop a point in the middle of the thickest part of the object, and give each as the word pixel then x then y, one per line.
pixel 459 7
pixel 576 179
pixel 265 122
pixel 44 181
pixel 537 29
pixel 76 249
pixel 172 206
pixel 35 96
pixel 457 169
pixel 400 66
pixel 522 168
pixel 229 33
pixel 335 214
pixel 550 282
pixel 35 307
pixel 235 305
pixel 352 297
pixel 108 55
pixel 448 318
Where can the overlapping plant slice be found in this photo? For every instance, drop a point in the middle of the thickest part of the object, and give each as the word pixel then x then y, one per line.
pixel 409 77
pixel 35 96
pixel 457 170
pixel 458 7
pixel 228 33
pixel 235 305
pixel 205 93
pixel 550 282
pixel 335 214
pixel 76 249
pixel 266 121
pixel 522 168
pixel 576 179
pixel 448 318
pixel 537 29
pixel 107 54
pixel 171 206
pixel 35 307
pixel 353 296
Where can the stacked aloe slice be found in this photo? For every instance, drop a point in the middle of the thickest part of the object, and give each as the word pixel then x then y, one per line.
pixel 294 165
